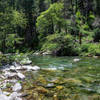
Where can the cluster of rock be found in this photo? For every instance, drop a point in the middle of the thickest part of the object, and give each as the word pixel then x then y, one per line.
pixel 12 96
pixel 11 74
pixel 42 53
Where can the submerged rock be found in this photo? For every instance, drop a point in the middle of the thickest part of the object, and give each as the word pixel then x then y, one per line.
pixel 49 69
pixel 73 81
pixel 55 97
pixel 41 90
pixel 59 87
pixel 96 57
pixel 50 85
pixel 87 79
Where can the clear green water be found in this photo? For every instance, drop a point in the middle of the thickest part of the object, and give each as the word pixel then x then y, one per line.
pixel 64 62
pixel 68 81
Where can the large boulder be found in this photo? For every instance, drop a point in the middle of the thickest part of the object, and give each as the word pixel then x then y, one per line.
pixel 3 97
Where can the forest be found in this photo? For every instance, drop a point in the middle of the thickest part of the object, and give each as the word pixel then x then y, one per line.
pixel 62 27
pixel 49 50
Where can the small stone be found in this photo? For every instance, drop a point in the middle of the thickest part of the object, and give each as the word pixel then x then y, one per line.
pixel 59 87
pixel 76 60
pixel 17 87
pixel 21 76
pixel 50 85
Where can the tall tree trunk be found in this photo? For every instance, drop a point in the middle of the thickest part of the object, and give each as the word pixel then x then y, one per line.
pixel 80 38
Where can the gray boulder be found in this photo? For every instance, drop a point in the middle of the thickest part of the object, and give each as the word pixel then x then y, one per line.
pixel 3 97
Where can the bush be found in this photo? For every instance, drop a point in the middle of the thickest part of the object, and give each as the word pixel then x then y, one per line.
pixel 94 49
pixel 4 60
pixel 90 49
pixel 84 47
pixel 60 45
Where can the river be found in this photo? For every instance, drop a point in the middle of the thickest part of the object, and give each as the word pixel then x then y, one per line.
pixel 60 78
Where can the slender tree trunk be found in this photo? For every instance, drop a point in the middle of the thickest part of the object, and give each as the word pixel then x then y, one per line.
pixel 80 38
pixel 76 4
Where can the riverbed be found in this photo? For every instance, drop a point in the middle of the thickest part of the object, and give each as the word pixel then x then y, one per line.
pixel 60 78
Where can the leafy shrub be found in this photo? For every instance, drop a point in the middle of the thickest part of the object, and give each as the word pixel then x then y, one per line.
pixel 49 46
pixel 94 49
pixel 60 44
pixel 84 47
pixel 4 60
pixel 90 49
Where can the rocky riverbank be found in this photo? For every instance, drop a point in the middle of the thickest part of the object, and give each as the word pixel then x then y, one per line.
pixel 11 78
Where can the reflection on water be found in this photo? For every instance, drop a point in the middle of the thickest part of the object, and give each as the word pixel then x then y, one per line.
pixel 63 62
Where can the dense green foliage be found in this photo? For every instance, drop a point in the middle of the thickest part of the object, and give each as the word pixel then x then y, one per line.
pixel 63 27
